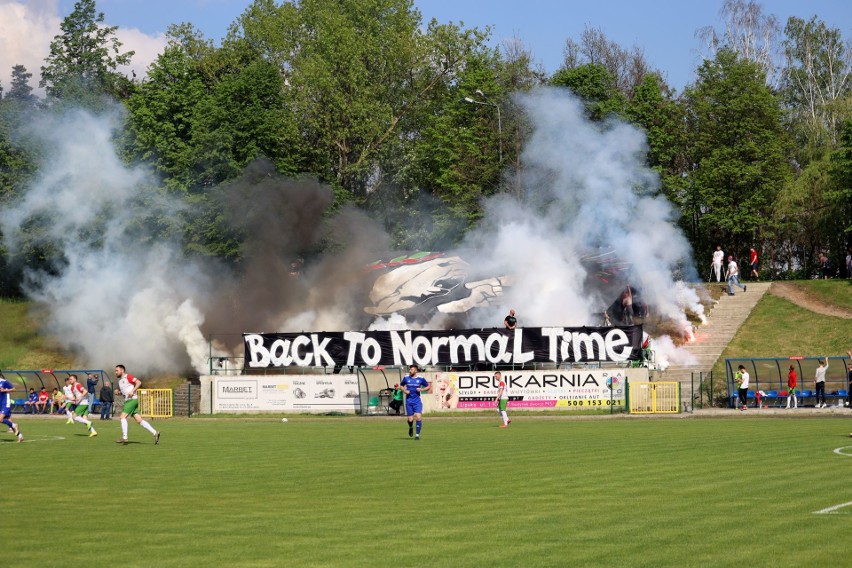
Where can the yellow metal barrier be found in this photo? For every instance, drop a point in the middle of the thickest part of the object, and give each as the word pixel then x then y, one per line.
pixel 654 397
pixel 156 403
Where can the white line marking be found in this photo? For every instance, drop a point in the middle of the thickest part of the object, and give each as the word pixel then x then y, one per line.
pixel 828 510
pixel 39 439
pixel 839 451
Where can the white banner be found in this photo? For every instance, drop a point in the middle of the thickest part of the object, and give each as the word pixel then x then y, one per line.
pixel 552 389
pixel 286 393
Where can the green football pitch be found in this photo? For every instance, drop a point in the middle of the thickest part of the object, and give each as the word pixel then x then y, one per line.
pixel 547 491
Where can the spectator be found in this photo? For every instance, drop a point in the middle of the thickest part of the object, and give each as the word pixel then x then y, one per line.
pixel 849 379
pixel 732 275
pixel 107 397
pixel 824 267
pixel 396 399
pixel 91 384
pixel 752 261
pixel 791 388
pixel 57 401
pixel 30 403
pixel 716 264
pixel 849 262
pixel 819 382
pixel 43 400
pixel 627 306
pixel 742 386
pixel 510 321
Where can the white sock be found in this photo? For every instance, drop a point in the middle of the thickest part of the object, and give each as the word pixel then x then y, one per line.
pixel 69 415
pixel 505 417
pixel 795 402
pixel 82 420
pixel 124 428
pixel 147 426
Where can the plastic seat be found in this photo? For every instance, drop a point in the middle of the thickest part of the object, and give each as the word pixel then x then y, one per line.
pixel 807 393
pixel 771 394
pixel 843 392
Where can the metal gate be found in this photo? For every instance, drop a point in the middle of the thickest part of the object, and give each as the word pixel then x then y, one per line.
pixel 654 397
pixel 156 403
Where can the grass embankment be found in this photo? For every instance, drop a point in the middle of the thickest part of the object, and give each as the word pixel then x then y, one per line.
pixel 779 328
pixel 835 292
pixel 21 344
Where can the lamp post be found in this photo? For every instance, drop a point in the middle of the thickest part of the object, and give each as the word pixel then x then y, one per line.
pixel 487 102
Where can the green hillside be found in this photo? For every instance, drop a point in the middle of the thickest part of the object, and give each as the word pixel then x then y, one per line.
pixel 780 328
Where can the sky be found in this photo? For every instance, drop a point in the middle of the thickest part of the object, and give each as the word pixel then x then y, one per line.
pixel 664 29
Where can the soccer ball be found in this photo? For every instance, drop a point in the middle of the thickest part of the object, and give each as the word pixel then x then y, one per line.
pixel 284 420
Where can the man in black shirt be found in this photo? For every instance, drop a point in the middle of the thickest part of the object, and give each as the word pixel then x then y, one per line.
pixel 510 322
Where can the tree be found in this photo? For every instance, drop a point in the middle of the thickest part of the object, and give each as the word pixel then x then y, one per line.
pixel 628 68
pixel 815 80
pixel 737 153
pixel 81 67
pixel 663 119
pixel 20 90
pixel 840 195
pixel 162 110
pixel 748 32
pixel 356 73
pixel 596 86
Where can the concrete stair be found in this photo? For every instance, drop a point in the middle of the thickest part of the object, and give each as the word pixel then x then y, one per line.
pixel 723 321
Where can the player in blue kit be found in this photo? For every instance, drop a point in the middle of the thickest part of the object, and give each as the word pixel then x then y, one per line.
pixel 6 390
pixel 412 386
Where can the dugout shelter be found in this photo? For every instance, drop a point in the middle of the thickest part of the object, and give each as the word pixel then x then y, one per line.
pixel 768 380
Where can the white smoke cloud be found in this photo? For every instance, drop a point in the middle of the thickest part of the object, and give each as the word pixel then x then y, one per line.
pixel 113 299
pixel 587 189
pixel 27 28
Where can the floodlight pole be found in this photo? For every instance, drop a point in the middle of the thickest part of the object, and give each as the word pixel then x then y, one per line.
pixel 487 102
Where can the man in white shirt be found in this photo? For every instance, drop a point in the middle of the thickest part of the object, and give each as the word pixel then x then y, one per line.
pixel 819 382
pixel 732 275
pixel 716 265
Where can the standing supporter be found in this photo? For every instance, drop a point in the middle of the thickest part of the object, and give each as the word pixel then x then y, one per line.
pixel 91 385
pixel 627 306
pixel 849 380
pixel 791 388
pixel 743 386
pixel 510 321
pixel 502 399
pixel 6 390
pixel 413 385
pixel 716 264
pixel 107 397
pixel 819 382
pixel 128 385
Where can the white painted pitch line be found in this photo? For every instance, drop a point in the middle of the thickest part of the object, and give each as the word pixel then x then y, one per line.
pixel 839 451
pixel 832 509
pixel 39 439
